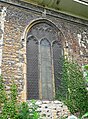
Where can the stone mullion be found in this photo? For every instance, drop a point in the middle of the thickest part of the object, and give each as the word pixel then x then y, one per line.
pixel 39 66
pixel 53 70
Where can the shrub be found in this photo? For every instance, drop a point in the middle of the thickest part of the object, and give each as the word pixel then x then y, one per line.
pixel 73 89
pixel 28 112
pixel 9 107
pixel 85 68
pixel 9 103
pixel 2 92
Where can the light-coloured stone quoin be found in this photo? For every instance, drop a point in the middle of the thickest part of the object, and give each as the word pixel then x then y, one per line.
pixel 2 20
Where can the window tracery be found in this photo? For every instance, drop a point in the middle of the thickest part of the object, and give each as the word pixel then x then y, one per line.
pixel 44 52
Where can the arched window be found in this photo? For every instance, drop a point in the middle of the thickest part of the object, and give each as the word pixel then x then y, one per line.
pixel 44 52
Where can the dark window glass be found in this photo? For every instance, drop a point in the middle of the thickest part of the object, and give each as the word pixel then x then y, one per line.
pixel 57 59
pixel 46 70
pixel 32 70
pixel 44 62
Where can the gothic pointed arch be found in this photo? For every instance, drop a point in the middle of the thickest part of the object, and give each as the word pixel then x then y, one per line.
pixel 44 45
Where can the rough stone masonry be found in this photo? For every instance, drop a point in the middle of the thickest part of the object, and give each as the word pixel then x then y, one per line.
pixel 14 20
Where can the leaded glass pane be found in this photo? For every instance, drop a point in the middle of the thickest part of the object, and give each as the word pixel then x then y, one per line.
pixel 46 70
pixel 57 59
pixel 41 59
pixel 32 70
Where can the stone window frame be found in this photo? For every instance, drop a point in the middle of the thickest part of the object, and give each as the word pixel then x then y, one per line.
pixel 24 42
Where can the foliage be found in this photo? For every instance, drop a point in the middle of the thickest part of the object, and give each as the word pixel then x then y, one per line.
pixel 62 92
pixel 10 107
pixel 2 92
pixel 72 89
pixel 85 68
pixel 85 116
pixel 62 117
pixel 28 112
pixel 33 110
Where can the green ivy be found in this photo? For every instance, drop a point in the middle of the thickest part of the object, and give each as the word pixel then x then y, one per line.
pixel 28 112
pixel 72 90
pixel 2 93
pixel 85 68
pixel 11 109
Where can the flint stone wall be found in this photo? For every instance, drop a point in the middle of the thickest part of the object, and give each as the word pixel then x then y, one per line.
pixel 18 16
pixel 51 109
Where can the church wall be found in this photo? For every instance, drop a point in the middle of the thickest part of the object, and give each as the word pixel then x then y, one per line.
pixel 18 17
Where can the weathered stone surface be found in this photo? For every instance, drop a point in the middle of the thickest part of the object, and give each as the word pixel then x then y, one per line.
pixel 18 17
pixel 51 110
pixel 2 19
